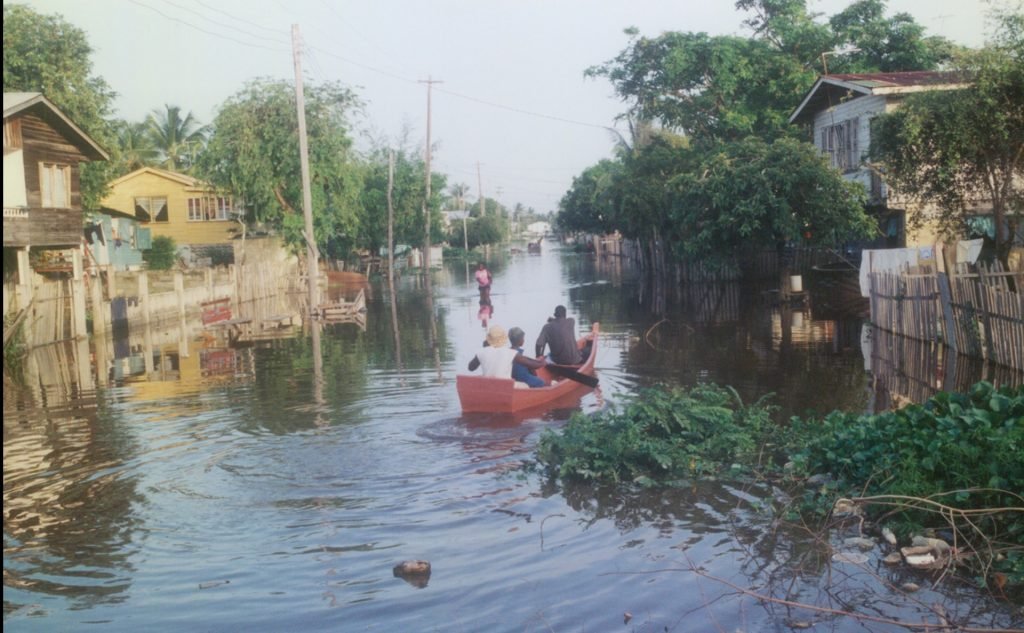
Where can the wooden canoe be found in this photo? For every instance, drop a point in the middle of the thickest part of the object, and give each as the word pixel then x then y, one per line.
pixel 500 395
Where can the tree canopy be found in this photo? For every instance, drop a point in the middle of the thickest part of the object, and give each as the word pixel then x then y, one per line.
pixel 408 190
pixel 253 152
pixel 48 54
pixel 936 147
pixel 726 87
pixel 177 139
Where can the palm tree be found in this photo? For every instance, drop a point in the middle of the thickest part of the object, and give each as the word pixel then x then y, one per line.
pixel 135 147
pixel 459 191
pixel 177 139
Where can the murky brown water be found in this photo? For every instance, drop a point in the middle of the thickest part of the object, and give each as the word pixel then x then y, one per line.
pixel 254 490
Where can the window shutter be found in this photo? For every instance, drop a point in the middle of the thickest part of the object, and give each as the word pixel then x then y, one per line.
pixel 143 238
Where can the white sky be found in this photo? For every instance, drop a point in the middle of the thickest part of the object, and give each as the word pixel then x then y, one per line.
pixel 514 97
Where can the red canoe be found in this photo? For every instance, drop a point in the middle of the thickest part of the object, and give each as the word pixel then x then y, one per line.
pixel 500 395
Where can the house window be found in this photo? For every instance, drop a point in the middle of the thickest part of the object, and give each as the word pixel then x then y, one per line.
pixel 209 208
pixel 55 186
pixel 840 143
pixel 151 209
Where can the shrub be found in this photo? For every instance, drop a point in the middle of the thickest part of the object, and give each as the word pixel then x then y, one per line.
pixel 161 255
pixel 661 435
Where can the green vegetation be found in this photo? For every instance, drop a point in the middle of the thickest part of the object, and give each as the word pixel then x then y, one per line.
pixel 162 255
pixel 954 463
pixel 661 435
pixel 253 152
pixel 965 450
pixel 48 54
pixel 712 164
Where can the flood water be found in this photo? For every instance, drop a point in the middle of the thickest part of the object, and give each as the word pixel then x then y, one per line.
pixel 256 489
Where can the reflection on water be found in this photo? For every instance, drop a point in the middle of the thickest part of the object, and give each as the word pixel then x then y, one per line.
pixel 274 484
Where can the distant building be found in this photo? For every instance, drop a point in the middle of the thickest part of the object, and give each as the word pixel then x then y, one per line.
pixel 538 228
pixel 180 207
pixel 838 110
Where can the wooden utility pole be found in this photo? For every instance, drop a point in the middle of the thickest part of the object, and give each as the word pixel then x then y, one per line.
pixel 480 188
pixel 391 223
pixel 426 200
pixel 313 265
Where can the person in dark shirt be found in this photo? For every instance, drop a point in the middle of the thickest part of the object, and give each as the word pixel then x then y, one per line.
pixel 522 373
pixel 559 334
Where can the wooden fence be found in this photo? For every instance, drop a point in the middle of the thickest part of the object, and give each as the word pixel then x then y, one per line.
pixel 978 313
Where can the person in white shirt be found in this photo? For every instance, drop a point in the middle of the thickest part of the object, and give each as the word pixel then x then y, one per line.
pixel 496 358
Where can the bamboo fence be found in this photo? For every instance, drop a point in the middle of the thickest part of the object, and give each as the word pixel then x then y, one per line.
pixel 978 313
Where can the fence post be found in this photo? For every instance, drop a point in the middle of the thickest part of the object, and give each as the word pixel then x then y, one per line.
pixel 78 295
pixel 147 348
pixel 948 324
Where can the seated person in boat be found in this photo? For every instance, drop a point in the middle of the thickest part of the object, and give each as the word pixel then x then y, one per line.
pixel 521 373
pixel 496 359
pixel 559 334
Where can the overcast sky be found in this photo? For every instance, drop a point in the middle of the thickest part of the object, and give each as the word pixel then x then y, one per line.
pixel 514 98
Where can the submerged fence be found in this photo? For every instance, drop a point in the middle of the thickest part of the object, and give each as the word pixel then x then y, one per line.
pixel 978 313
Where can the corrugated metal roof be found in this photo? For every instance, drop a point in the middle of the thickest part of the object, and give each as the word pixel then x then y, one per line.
pixel 899 80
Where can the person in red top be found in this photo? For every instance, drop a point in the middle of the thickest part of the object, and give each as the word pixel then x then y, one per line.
pixel 483 281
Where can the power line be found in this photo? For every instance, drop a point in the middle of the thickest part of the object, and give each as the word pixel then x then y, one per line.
pixel 226 26
pixel 240 19
pixel 521 111
pixel 202 30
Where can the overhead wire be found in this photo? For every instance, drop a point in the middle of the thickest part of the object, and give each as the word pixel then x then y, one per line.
pixel 223 25
pixel 202 30
pixel 318 68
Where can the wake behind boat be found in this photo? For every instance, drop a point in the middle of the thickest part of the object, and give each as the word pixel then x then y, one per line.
pixel 504 395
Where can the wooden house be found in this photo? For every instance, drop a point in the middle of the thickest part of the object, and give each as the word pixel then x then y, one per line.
pixel 43 149
pixel 838 111
pixel 177 206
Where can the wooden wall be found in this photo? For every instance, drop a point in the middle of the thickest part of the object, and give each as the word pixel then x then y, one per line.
pixel 178 226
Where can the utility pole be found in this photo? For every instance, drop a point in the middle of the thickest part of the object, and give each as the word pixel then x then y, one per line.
pixel 313 264
pixel 480 188
pixel 426 201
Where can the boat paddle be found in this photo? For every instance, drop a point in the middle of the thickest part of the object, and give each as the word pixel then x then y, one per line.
pixel 572 374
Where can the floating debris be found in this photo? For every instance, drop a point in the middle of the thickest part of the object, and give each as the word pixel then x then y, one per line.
pixel 918 556
pixel 910 587
pixel 213 583
pixel 864 544
pixel 889 536
pixel 854 558
pixel 626 617
pixel 845 507
pixel 414 572
pixel 893 559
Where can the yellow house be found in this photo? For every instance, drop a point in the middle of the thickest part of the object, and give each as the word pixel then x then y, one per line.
pixel 175 205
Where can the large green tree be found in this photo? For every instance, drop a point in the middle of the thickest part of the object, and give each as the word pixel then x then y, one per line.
pixel 408 190
pixel 727 87
pixel 756 193
pixel 48 54
pixel 963 148
pixel 254 154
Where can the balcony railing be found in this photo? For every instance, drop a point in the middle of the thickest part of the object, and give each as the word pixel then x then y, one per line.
pixel 42 227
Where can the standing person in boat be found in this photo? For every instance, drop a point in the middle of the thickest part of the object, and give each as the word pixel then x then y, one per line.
pixel 521 373
pixel 483 282
pixel 496 359
pixel 559 334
